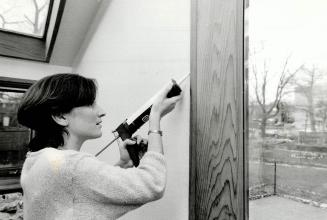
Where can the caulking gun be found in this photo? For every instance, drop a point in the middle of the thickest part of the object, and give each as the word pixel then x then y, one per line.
pixel 126 129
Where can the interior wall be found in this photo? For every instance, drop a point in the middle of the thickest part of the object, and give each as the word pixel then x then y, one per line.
pixel 137 48
pixel 17 68
pixel 75 23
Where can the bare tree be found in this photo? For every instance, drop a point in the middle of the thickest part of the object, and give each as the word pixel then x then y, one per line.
pixel 270 110
pixel 322 112
pixel 37 27
pixel 306 87
pixel 4 19
pixel 35 22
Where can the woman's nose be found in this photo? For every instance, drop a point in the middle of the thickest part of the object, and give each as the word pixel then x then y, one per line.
pixel 101 112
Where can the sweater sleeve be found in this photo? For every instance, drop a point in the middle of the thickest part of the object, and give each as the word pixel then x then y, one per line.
pixel 105 183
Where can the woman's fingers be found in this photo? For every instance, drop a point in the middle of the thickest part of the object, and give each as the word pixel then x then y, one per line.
pixel 170 104
pixel 139 139
pixel 166 90
pixel 128 142
pixel 175 99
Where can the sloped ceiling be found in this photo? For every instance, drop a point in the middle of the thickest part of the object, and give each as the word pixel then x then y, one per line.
pixel 76 21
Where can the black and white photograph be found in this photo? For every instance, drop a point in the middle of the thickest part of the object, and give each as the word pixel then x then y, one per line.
pixel 163 110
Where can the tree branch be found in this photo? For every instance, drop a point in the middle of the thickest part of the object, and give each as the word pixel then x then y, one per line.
pixel 29 20
pixel 284 81
pixel 15 22
pixel 3 20
pixel 273 115
pixel 36 6
pixel 256 87
pixel 43 6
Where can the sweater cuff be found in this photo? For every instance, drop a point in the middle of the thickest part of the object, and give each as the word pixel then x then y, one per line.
pixel 152 155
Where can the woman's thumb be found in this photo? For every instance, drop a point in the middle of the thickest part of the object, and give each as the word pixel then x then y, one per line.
pixel 129 142
pixel 167 89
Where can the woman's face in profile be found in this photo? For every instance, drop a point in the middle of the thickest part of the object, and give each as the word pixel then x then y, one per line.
pixel 84 122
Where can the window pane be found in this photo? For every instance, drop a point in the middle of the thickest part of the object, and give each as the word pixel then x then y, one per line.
pixel 287 72
pixel 13 140
pixel 24 16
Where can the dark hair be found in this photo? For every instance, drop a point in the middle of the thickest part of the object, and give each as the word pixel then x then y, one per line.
pixel 53 95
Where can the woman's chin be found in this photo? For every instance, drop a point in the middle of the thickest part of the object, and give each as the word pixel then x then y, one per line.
pixel 95 136
pixel 98 135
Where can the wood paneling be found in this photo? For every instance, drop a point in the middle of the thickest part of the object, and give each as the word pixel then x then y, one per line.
pixel 14 45
pixel 217 188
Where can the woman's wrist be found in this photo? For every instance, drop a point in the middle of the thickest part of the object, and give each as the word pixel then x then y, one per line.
pixel 154 121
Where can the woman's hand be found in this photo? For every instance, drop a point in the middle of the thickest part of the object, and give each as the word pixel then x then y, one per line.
pixel 125 160
pixel 163 105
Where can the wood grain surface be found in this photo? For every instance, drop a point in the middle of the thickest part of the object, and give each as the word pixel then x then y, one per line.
pixel 217 150
pixel 15 45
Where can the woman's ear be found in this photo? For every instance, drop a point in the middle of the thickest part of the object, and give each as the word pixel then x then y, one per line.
pixel 60 120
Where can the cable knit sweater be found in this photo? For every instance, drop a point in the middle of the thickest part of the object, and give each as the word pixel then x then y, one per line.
pixel 69 185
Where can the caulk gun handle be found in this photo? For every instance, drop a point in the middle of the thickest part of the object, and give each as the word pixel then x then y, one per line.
pixel 133 150
pixel 133 154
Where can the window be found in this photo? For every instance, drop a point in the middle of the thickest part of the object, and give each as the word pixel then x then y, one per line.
pixel 287 109
pixel 28 28
pixel 13 136
pixel 28 17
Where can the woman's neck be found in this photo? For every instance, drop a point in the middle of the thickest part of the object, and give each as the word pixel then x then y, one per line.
pixel 72 143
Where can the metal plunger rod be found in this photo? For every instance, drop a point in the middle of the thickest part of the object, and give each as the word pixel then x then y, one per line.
pixel 107 146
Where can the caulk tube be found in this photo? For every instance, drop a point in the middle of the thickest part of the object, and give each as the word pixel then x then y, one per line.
pixel 142 115
pixel 139 118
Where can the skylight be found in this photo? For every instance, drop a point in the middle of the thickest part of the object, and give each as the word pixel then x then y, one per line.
pixel 27 17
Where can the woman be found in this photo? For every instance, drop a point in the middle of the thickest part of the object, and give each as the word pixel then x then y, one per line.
pixel 59 181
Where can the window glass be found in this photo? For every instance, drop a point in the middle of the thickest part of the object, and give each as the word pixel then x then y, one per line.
pixel 287 108
pixel 24 16
pixel 13 140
